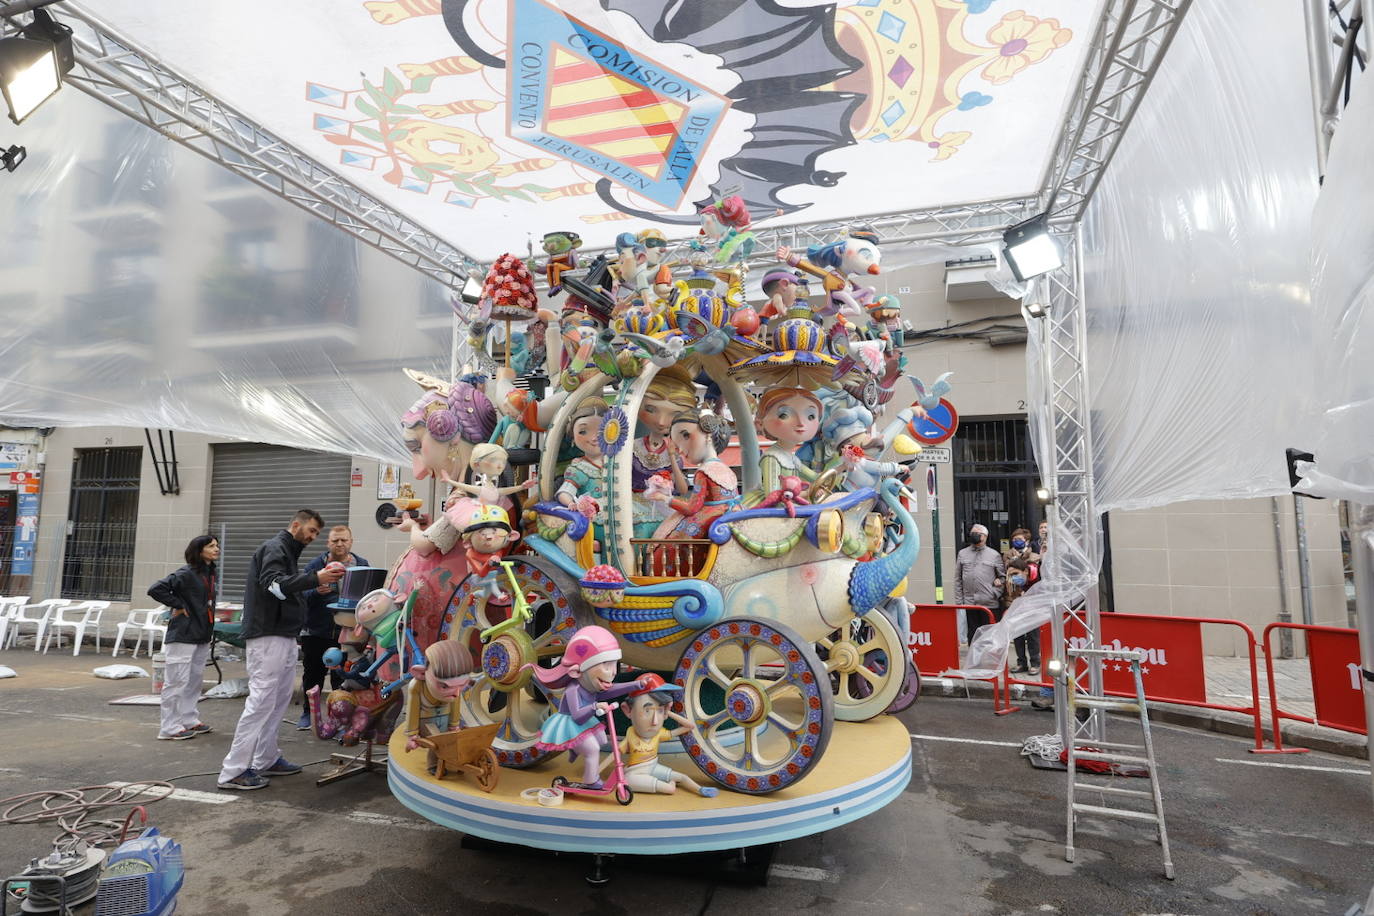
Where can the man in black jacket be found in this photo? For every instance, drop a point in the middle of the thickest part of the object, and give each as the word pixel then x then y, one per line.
pixel 273 611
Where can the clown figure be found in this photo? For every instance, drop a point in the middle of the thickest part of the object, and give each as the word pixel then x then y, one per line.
pixel 587 673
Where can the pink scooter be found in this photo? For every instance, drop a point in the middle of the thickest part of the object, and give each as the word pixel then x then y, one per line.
pixel 613 784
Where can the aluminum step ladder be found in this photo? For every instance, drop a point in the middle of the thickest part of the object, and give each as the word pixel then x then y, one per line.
pixel 1113 752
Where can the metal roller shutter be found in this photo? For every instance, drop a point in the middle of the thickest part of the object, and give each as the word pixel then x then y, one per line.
pixel 254 489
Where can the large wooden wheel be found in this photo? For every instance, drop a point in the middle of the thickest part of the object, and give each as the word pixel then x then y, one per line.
pixel 866 664
pixel 504 692
pixel 758 678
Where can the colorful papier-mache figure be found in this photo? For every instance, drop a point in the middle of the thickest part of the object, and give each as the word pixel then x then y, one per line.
pixel 725 224
pixel 586 672
pixel 790 417
pixel 632 268
pixel 487 535
pixel 647 707
pixel 584 481
pixel 834 263
pixel 561 247
pixel 487 464
pixel 432 695
pixel 695 438
pixel 669 393
pixel 510 432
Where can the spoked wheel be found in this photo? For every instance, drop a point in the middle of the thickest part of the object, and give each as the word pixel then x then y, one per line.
pixel 775 693
pixel 487 770
pixel 910 692
pixel 503 692
pixel 865 660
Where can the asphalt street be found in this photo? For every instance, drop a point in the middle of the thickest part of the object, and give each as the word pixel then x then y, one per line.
pixel 978 831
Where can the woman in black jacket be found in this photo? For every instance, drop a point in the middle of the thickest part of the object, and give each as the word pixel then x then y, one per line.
pixel 190 593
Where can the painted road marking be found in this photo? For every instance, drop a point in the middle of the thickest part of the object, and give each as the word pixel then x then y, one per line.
pixel 801 873
pixel 1292 766
pixel 190 795
pixel 966 740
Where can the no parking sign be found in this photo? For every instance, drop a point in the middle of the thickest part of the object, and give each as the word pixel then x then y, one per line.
pixel 939 424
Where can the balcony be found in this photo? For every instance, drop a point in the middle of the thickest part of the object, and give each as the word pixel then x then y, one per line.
pixel 127 204
pixel 265 309
pixel 111 324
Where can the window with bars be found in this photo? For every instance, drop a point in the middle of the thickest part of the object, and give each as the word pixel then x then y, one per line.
pixel 102 523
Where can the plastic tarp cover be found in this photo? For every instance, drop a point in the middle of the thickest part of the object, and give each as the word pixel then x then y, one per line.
pixel 1200 348
pixel 1342 238
pixel 142 285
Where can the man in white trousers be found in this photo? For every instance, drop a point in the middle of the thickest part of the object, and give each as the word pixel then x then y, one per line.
pixel 273 611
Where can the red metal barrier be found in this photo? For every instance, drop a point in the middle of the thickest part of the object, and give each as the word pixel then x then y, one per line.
pixel 1333 657
pixel 934 646
pixel 1175 666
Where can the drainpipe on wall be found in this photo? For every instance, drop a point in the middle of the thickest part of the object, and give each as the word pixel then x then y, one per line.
pixel 1285 616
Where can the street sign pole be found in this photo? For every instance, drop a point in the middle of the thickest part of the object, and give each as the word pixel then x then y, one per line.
pixel 933 501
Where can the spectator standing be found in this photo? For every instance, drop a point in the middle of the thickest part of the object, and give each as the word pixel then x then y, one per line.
pixel 273 614
pixel 978 579
pixel 190 594
pixel 320 633
pixel 1023 569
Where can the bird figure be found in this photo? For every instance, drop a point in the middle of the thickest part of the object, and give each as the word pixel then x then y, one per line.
pixel 930 399
pixel 662 353
pixel 712 340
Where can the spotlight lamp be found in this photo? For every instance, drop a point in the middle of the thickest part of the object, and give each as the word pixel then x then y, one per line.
pixel 1054 669
pixel 1030 249
pixel 32 67
pixel 472 290
pixel 1036 310
pixel 1044 495
pixel 12 157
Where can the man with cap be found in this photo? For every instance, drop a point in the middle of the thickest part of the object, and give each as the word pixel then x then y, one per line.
pixel 978 579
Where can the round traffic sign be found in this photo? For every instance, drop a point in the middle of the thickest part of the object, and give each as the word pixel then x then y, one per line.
pixel 937 425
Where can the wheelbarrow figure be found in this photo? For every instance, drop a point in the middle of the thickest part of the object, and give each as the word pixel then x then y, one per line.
pixel 467 750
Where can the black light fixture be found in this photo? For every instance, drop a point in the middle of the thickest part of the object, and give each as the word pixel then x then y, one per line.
pixel 1030 249
pixel 32 67
pixel 1044 495
pixel 1036 310
pixel 12 157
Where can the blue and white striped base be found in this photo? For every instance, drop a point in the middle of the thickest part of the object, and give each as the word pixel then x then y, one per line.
pixel 865 775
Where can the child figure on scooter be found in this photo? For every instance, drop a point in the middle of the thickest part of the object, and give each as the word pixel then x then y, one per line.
pixel 587 672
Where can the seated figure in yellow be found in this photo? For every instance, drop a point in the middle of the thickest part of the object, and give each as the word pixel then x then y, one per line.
pixel 647 708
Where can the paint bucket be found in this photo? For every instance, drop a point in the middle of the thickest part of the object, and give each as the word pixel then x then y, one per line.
pixel 159 671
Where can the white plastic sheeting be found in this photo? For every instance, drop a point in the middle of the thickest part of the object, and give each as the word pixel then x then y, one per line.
pixel 1343 237
pixel 1200 348
pixel 141 285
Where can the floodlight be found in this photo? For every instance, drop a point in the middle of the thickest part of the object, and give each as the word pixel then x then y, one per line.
pixel 12 157
pixel 1030 249
pixel 32 67
pixel 1054 668
pixel 1044 495
pixel 1036 310
pixel 472 290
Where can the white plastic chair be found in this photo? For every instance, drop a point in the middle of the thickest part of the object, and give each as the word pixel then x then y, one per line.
pixel 147 624
pixel 37 615
pixel 64 618
pixel 8 608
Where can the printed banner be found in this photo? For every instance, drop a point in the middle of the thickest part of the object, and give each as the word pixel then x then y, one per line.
pixel 1174 667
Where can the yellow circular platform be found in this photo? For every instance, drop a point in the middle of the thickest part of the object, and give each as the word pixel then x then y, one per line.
pixel 865 766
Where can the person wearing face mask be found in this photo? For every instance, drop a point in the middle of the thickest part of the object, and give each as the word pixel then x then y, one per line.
pixel 979 578
pixel 1023 569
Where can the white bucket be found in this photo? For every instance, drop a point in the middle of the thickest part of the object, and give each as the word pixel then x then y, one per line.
pixel 159 671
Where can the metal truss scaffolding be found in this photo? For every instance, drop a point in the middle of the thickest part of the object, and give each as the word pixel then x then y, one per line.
pixel 1338 44
pixel 112 70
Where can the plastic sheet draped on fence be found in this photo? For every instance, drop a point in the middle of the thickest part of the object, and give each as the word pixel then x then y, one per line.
pixel 1333 657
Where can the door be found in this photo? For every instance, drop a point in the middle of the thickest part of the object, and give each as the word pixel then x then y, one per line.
pixel 995 479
